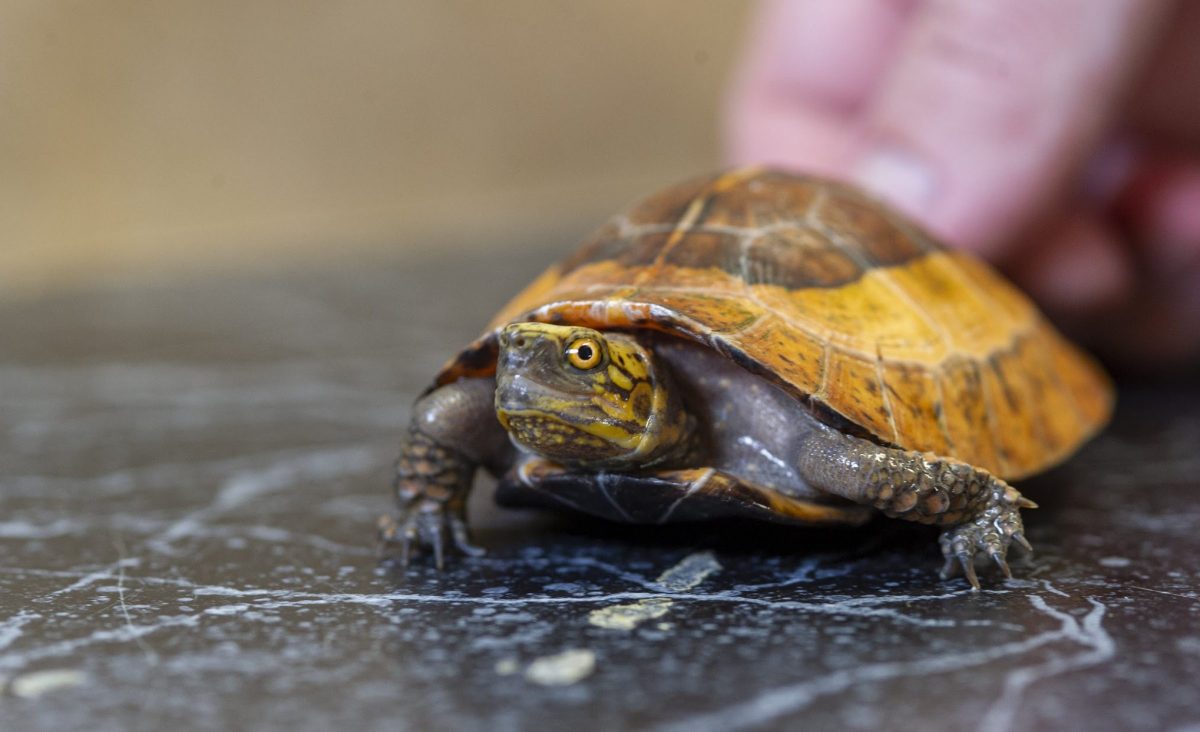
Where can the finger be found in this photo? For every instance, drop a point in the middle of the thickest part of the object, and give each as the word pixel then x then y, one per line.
pixel 1165 105
pixel 1160 207
pixel 1160 210
pixel 989 111
pixel 807 69
pixel 1078 267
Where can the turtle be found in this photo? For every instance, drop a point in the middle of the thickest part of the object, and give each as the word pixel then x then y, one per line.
pixel 763 344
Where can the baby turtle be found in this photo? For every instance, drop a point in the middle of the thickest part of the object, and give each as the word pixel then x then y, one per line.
pixel 756 344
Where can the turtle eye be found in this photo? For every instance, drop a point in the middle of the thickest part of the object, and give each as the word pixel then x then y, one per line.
pixel 584 353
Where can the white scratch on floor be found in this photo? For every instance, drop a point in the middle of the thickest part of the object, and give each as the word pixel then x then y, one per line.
pixel 775 703
pixel 28 530
pixel 10 628
pixel 562 669
pixel 858 607
pixel 1164 592
pixel 149 653
pixel 264 599
pixel 123 634
pixel 1051 588
pixel 87 580
pixel 1090 633
pixel 251 484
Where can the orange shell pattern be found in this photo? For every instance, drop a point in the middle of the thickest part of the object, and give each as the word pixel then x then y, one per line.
pixel 842 302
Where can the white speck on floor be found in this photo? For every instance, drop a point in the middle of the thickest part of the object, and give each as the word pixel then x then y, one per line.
pixel 689 572
pixel 562 669
pixel 37 683
pixel 629 616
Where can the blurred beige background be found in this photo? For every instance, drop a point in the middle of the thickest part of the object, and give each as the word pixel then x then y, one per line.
pixel 157 139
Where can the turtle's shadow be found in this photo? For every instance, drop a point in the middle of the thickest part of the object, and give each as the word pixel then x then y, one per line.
pixel 730 537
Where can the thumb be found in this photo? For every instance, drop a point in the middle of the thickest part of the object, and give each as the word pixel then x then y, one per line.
pixel 992 106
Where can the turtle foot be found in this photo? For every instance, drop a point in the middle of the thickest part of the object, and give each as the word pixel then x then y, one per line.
pixel 425 524
pixel 989 533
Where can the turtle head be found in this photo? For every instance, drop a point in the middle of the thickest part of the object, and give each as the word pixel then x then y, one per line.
pixel 584 398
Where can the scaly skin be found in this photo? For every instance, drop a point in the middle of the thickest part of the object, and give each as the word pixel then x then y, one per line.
pixel 431 483
pixel 453 432
pixel 981 512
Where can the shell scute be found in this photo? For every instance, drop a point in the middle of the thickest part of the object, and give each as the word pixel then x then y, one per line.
pixel 865 229
pixel 751 199
pixel 670 205
pixel 915 402
pixel 706 250
pixel 794 258
pixel 713 311
pixel 604 244
pixel 780 347
pixel 852 388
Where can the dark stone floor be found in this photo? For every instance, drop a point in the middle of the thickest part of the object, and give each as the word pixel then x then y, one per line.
pixel 190 475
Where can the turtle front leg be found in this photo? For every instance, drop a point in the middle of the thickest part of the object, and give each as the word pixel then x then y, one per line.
pixel 453 431
pixel 980 512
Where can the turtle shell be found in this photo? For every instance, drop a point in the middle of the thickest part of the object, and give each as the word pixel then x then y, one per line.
pixel 842 302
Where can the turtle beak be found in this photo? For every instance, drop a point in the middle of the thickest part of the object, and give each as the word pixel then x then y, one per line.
pixel 523 346
pixel 527 354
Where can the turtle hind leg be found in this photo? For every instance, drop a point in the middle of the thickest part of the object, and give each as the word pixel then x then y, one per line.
pixel 990 532
pixel 980 513
pixel 662 496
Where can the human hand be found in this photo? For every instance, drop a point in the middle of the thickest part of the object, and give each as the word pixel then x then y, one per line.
pixel 1059 140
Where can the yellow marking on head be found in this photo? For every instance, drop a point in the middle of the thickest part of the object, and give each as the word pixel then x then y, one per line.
pixel 552 331
pixel 624 356
pixel 614 434
pixel 537 425
pixel 667 429
pixel 618 377
pixel 617 406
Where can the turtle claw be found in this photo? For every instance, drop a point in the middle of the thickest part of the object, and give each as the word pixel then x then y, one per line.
pixel 425 524
pixel 462 540
pixel 433 536
pixel 968 565
pixel 998 558
pixel 990 533
pixel 385 526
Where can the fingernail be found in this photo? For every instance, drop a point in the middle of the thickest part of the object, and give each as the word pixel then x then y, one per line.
pixel 899 177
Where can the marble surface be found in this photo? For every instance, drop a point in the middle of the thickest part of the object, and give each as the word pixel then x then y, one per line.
pixel 189 478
